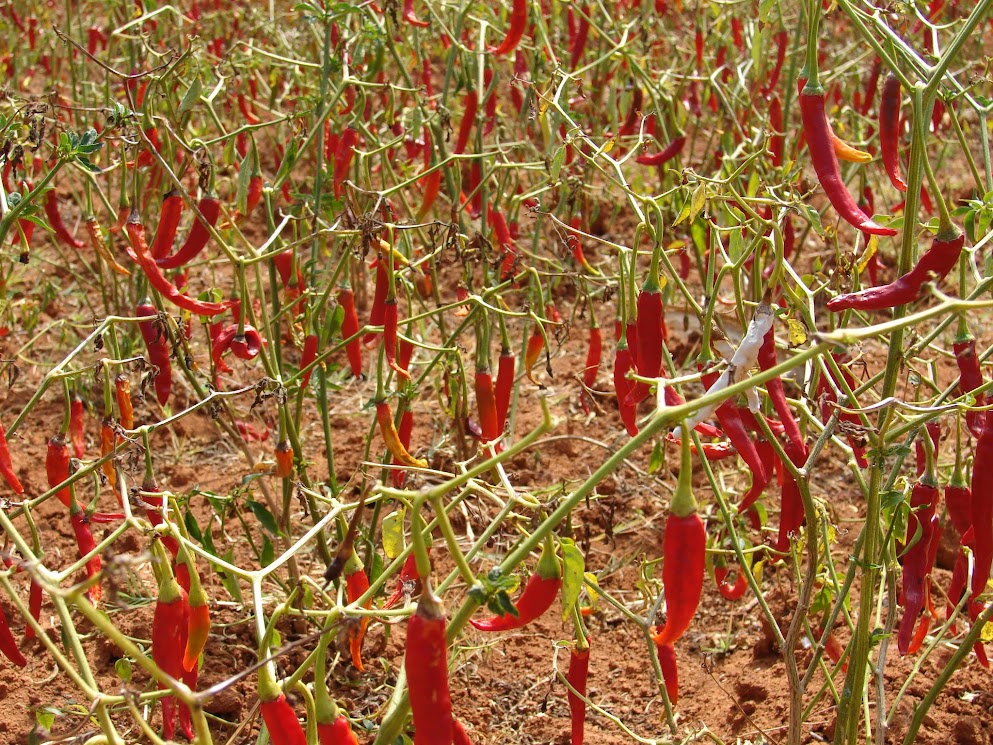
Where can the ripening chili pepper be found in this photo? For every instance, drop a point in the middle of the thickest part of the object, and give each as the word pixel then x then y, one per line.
pixel 343 155
pixel 518 23
pixel 489 420
pixel 284 460
pixel 684 551
pixel 387 428
pixel 77 425
pixel 889 131
pixel 914 560
pixel 537 597
pixel 624 387
pixel 662 157
pixel 8 645
pixel 506 368
pixel 99 245
pixel 940 259
pixel 356 585
pixel 198 625
pixel 535 346
pixel 817 131
pixel 173 205
pixel 670 672
pixel 468 119
pixel 57 467
pixel 280 719
pixel 426 663
pixel 85 543
pixel 593 354
pixel 56 222
pixel 138 250
pixel 350 328
pixel 158 350
pixel 410 17
pixel 846 152
pixel 35 598
pixel 579 669
pixel 7 466
pixel 404 431
pixel 210 209
pixel 122 388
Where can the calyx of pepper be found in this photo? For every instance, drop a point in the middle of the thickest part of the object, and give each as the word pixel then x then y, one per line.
pixel 683 502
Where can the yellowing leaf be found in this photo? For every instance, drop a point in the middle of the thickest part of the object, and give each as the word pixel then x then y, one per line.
pixel 572 575
pixel 870 250
pixel 393 534
pixel 797 332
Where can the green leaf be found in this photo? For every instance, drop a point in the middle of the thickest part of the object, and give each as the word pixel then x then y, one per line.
pixel 123 669
pixel 263 515
pixel 230 583
pixel 45 717
pixel 267 555
pixel 657 459
pixel 191 526
pixel 574 567
pixel 191 97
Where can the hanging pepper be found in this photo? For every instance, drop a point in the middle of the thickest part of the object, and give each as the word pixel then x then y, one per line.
pixel 506 368
pixel 404 432
pixel 307 357
pixel 730 419
pixel 468 120
pixel 392 439
pixel 426 663
pixel 196 241
pixel 34 608
pixel 77 412
pixel 846 152
pixel 624 387
pixel 356 585
pixel 284 459
pixel 57 467
pixel 489 420
pixel 915 578
pixel 138 251
pixel 518 23
pixel 579 669
pixel 99 245
pixel 662 157
pixel 730 590
pixel 537 597
pixel 55 221
pixel 173 205
pixel 343 155
pixel 817 131
pixel 970 375
pixel 982 508
pixel 791 513
pixel 378 310
pixel 650 328
pixel 670 672
pixel 889 131
pixel 169 630
pixel 593 353
pixel 158 350
pixel 408 583
pixel 410 17
pixel 198 626
pixel 122 387
pixel 535 346
pixel 684 552
pixel 86 543
pixel 350 328
pixel 7 466
pixel 8 645
pixel 280 719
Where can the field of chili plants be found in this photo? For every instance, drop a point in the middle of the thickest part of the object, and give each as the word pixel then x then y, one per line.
pixel 535 372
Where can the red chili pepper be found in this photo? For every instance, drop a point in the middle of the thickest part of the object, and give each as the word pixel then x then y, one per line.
pixel 390 322
pixel 343 155
pixel 518 23
pixel 871 84
pixel 889 130
pixel 825 392
pixel 404 432
pixel 155 501
pixel 408 583
pixel 158 350
pixel 940 259
pixel 57 467
pixel 489 419
pixel 338 732
pixel 356 585
pixel 138 251
pixel 970 376
pixel 777 138
pixel 578 45
pixel 349 328
pixel 791 513
pixel 777 394
pixel 670 673
pixel 196 241
pixel 34 608
pixel 410 17
pixel 537 597
pixel 468 120
pixel 982 508
pixel 730 419
pixel 77 425
pixel 282 723
pixel 122 388
pixel 426 664
pixel 55 221
pixel 593 353
pixel 623 387
pixel 579 669
pixel 914 560
pixel 8 645
pixel 378 311
pixel 7 466
pixel 671 150
pixel 86 543
pixel 731 591
pixel 535 346
pixel 650 329
pixel 173 205
pixel 504 385
pixel 308 355
pixel 817 130
pixel 284 460
pixel 684 553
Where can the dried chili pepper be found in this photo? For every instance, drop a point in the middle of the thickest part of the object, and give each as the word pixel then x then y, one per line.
pixel 426 664
pixel 138 250
pixel 209 209
pixel 158 350
pixel 940 259
pixel 817 130
pixel 77 425
pixel 392 439
pixel 970 375
pixel 889 130
pixel 57 467
pixel 8 645
pixel 56 222
pixel 390 322
pixel 173 205
pixel 122 388
pixel 85 543
pixel 356 585
pixel 7 466
pixel 579 669
pixel 518 23
pixel 537 597
pixel 662 157
pixel 506 368
pixel 99 245
pixel 350 328
pixel 684 552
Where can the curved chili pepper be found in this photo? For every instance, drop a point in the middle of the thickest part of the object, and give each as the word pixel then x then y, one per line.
pixel 57 467
pixel 684 549
pixel 8 644
pixel 777 139
pixel 731 591
pixel 671 150
pixel 579 669
pixel 733 425
pixel 535 346
pixel 392 439
pixel 767 455
pixel 86 543
pixel 7 466
pixel 99 246
pixel 593 354
pixel 940 259
pixel 408 583
pixel 670 672
pixel 122 389
pixel 916 570
pixel 624 388
pixel 390 322
pixel 138 251
pixel 410 17
pixel 350 328
pixel 846 152
pixel 173 205
pixel 158 350
pixel 537 597
pixel 970 376
pixel 982 508
pixel 518 23
pixel 578 45
pixel 196 241
pixel 56 222
pixel 651 331
pixel 817 130
pixel 889 131
pixel 489 420
pixel 426 663
pixel 77 425
pixel 356 585
pixel 777 394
